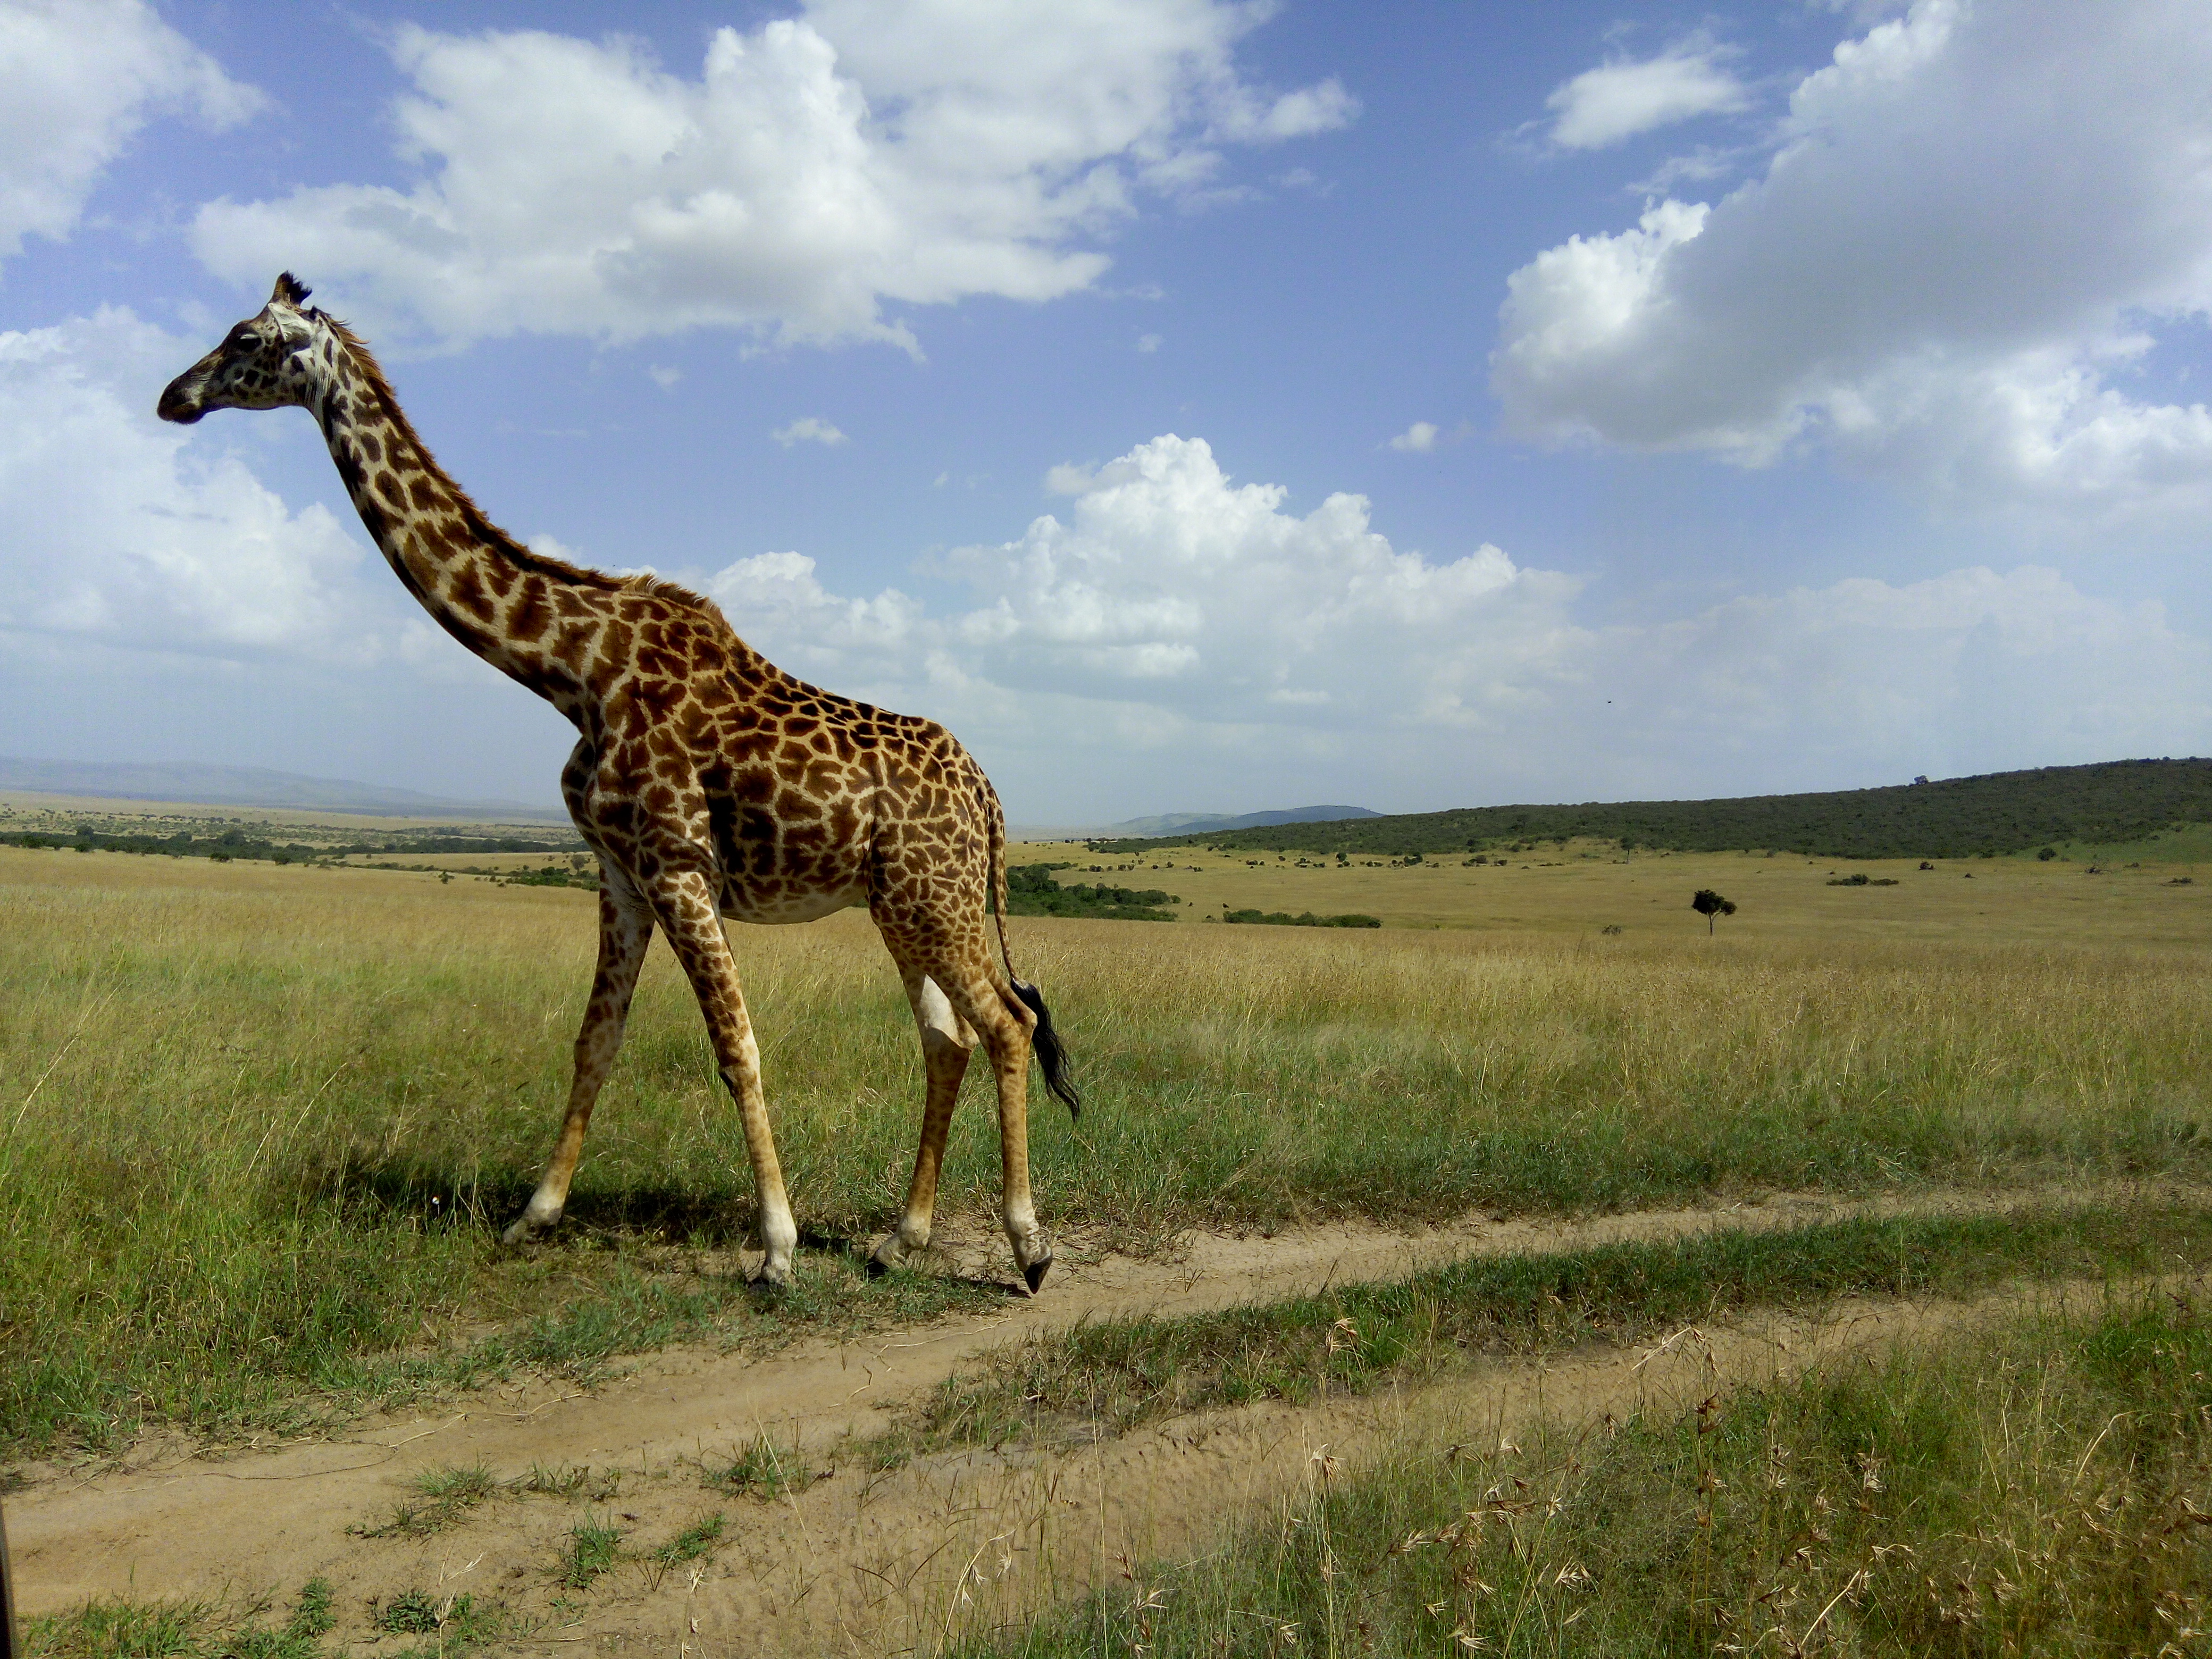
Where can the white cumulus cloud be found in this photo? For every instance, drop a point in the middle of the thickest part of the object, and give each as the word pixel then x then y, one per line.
pixel 1165 571
pixel 1614 102
pixel 78 79
pixel 809 430
pixel 127 532
pixel 1417 438
pixel 814 169
pixel 1976 223
pixel 1168 587
pixel 1174 634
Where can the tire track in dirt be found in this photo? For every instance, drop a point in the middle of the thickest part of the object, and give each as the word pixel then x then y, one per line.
pixel 860 1559
pixel 975 1540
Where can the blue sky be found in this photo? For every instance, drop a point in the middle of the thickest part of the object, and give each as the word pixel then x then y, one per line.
pixel 1195 406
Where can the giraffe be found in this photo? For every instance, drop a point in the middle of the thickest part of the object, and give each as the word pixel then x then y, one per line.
pixel 710 783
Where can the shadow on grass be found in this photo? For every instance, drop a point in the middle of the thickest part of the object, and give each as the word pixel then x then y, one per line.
pixel 438 1196
pixel 442 1193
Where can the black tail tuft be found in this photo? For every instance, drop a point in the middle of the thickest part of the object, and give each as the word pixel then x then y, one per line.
pixel 1051 1053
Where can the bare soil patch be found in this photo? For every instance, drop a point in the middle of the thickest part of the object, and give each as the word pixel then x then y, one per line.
pixel 846 1556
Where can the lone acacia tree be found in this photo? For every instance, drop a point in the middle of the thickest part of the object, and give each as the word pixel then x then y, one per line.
pixel 1710 905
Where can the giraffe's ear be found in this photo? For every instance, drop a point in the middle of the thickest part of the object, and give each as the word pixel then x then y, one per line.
pixel 289 289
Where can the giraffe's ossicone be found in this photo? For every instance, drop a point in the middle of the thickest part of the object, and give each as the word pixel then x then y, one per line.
pixel 710 783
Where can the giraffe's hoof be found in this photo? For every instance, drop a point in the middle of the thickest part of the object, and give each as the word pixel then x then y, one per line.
pixel 774 1278
pixel 523 1231
pixel 885 1256
pixel 1035 1273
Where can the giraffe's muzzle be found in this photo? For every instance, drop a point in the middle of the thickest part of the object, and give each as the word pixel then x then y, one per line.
pixel 180 399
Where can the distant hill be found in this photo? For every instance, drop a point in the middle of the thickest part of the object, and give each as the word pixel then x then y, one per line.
pixel 1187 823
pixel 242 785
pixel 1957 818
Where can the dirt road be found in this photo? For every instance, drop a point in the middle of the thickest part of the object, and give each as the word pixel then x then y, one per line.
pixel 856 1560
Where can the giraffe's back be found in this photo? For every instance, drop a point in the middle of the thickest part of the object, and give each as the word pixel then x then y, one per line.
pixel 804 801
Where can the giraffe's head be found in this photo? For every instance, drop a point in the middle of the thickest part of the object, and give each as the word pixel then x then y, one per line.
pixel 266 361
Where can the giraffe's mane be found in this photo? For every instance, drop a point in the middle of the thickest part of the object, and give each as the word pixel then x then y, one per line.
pixel 529 558
pixel 661 588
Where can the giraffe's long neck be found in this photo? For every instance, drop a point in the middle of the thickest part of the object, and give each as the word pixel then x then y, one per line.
pixel 495 596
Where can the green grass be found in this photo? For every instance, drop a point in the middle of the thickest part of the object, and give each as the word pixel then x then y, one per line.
pixel 594 1549
pixel 182 1630
pixel 695 1541
pixel 258 1128
pixel 2042 1488
pixel 763 1469
pixel 2179 843
pixel 311 1369
pixel 1110 1376
pixel 455 1623
pixel 117 1630
pixel 410 1613
pixel 444 1495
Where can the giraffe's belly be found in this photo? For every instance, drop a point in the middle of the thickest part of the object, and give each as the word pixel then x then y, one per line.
pixel 746 901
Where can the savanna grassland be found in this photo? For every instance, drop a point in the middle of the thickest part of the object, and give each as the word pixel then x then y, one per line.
pixel 2144 894
pixel 260 1124
pixel 262 1121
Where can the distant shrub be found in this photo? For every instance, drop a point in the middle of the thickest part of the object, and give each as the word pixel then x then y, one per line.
pixel 1031 891
pixel 1307 918
pixel 552 876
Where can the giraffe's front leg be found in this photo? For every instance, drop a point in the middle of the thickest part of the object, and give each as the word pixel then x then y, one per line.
pixel 625 929
pixel 685 905
pixel 946 1043
pixel 625 934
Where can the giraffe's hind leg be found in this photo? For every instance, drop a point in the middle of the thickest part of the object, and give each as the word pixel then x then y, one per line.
pixel 1005 1024
pixel 946 1043
pixel 625 930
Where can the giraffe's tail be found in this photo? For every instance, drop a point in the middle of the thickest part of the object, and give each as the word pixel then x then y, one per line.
pixel 1051 1052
